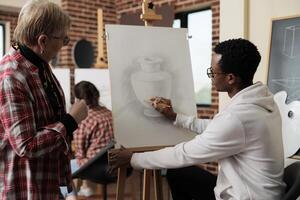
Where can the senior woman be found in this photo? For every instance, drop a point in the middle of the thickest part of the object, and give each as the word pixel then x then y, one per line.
pixel 35 130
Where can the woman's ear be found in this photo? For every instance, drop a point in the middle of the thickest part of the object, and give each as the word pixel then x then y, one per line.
pixel 42 41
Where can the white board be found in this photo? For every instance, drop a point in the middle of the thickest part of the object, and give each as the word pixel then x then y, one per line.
pixel 146 62
pixel 63 76
pixel 100 78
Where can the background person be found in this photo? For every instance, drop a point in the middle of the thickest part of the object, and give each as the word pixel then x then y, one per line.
pixel 245 138
pixel 93 133
pixel 35 130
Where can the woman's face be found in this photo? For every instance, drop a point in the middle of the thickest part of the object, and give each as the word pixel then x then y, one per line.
pixel 54 43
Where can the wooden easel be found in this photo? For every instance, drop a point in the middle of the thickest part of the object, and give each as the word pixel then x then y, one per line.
pixel 158 195
pixel 101 62
pixel 148 16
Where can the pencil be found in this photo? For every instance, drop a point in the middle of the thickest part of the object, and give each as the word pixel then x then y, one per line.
pixel 156 103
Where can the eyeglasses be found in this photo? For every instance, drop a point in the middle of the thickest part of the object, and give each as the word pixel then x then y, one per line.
pixel 211 74
pixel 65 39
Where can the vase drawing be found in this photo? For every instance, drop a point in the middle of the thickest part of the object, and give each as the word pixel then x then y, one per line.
pixel 150 82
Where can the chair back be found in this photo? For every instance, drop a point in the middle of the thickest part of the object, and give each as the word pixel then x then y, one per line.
pixel 95 169
pixel 292 179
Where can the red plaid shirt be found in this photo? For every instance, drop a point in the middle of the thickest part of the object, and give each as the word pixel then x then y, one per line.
pixel 33 146
pixel 93 134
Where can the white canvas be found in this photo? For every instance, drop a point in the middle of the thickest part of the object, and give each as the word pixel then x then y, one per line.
pixel 63 76
pixel 100 78
pixel 146 62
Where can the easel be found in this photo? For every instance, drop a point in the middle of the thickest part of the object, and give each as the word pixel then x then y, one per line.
pixel 148 16
pixel 158 195
pixel 101 62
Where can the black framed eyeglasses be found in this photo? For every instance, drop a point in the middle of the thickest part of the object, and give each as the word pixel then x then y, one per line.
pixel 65 39
pixel 211 74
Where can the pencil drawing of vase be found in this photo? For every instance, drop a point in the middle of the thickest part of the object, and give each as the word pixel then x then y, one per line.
pixel 149 82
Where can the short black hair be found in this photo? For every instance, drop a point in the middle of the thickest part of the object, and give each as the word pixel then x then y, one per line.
pixel 240 57
pixel 87 91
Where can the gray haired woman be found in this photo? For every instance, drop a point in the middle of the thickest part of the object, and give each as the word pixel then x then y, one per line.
pixel 35 129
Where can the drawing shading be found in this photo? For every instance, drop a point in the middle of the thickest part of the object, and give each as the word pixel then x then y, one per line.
pixel 145 62
pixel 151 81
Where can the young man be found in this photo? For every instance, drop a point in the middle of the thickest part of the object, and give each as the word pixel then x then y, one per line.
pixel 245 138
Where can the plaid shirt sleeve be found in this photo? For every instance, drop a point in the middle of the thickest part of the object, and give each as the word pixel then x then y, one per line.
pixel 18 118
pixel 93 134
pixel 80 144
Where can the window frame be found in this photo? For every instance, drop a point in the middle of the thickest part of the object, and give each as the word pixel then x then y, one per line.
pixel 183 17
pixel 4 37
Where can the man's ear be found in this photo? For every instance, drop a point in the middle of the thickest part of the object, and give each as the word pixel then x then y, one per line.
pixel 231 78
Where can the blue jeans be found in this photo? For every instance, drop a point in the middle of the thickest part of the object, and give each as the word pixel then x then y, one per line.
pixel 64 189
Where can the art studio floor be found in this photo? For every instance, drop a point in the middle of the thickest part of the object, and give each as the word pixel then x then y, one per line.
pixel 133 189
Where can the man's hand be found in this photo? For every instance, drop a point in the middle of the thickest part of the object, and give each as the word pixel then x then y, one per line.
pixel 164 106
pixel 119 158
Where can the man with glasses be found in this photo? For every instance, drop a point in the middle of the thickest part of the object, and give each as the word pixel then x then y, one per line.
pixel 245 138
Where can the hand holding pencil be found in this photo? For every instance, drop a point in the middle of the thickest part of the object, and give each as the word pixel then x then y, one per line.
pixel 164 106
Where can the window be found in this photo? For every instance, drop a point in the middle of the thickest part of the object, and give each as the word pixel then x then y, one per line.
pixel 2 40
pixel 199 24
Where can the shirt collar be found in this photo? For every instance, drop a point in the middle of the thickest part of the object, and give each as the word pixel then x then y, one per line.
pixel 32 57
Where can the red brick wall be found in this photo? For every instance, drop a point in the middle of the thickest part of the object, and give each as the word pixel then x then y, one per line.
pixel 10 17
pixel 84 24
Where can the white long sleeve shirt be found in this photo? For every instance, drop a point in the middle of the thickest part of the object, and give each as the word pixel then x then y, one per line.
pixel 245 138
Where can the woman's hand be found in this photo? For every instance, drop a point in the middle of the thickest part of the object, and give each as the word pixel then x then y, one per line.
pixel 79 110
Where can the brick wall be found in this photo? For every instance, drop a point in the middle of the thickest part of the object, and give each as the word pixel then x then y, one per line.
pixel 11 17
pixel 83 14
